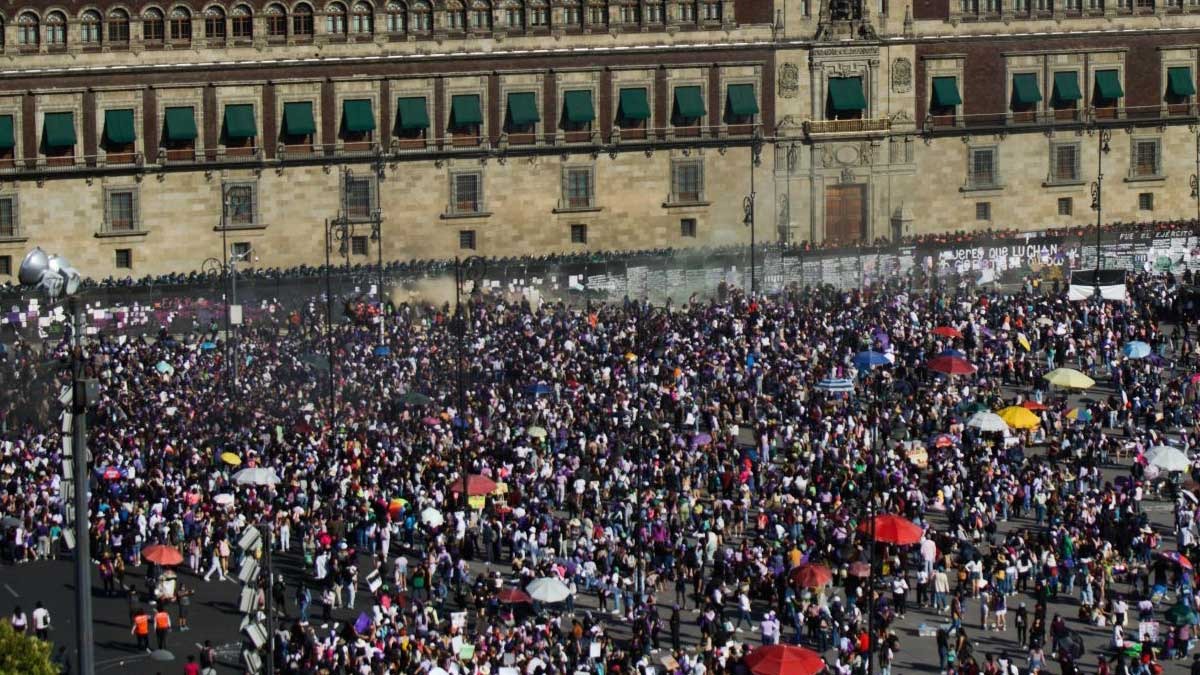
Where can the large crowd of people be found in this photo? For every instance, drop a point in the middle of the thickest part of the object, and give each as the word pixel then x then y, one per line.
pixel 671 466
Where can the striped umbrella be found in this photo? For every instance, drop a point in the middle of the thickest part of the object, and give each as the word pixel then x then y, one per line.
pixel 839 385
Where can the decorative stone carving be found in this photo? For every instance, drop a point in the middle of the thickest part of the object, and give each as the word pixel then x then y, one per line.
pixel 848 176
pixel 827 158
pixel 866 153
pixel 789 80
pixel 846 155
pixel 901 116
pixel 902 74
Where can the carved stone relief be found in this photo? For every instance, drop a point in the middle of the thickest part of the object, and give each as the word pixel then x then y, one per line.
pixel 789 80
pixel 902 73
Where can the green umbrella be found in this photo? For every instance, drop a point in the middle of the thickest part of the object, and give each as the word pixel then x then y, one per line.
pixel 415 398
pixel 973 407
pixel 1180 614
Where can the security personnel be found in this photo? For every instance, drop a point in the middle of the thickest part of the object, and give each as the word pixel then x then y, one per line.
pixel 162 626
pixel 141 628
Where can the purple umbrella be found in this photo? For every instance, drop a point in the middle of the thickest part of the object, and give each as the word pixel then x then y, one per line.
pixel 1156 360
pixel 701 439
pixel 882 337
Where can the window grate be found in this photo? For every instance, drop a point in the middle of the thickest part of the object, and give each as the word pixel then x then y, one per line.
pixel 687 227
pixel 579 233
pixel 983 168
pixel 467 196
pixel 120 212
pixel 983 210
pixel 8 218
pixel 124 259
pixel 466 239
pixel 578 188
pixel 688 182
pixel 1146 158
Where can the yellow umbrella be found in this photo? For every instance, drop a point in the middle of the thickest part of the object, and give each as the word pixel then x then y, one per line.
pixel 231 459
pixel 1019 417
pixel 1023 341
pixel 1069 378
pixel 536 432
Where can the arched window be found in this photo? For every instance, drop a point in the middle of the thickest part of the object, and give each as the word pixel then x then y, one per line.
pixel 597 13
pixel 242 23
pixel 181 25
pixel 214 23
pixel 396 19
pixel 654 12
pixel 514 15
pixel 152 25
pixel 572 13
pixel 539 14
pixel 89 27
pixel 118 26
pixel 631 12
pixel 712 10
pixel 302 20
pixel 422 17
pixel 56 29
pixel 687 11
pixel 481 15
pixel 362 19
pixel 335 19
pixel 276 22
pixel 456 16
pixel 27 29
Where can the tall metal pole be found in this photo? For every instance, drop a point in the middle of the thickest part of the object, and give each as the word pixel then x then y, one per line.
pixel 1194 182
pixel 225 269
pixel 377 235
pixel 748 210
pixel 233 343
pixel 460 329
pixel 85 640
pixel 1103 136
pixel 329 321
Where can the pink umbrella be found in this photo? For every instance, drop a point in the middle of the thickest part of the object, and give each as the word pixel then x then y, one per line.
pixel 430 421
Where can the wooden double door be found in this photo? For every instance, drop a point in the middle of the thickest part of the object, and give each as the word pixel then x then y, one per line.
pixel 845 213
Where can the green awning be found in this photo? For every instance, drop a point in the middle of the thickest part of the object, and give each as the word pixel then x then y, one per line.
pixel 1108 85
pixel 181 124
pixel 118 126
pixel 1179 81
pixel 239 121
pixel 632 105
pixel 357 116
pixel 8 140
pixel 689 103
pixel 298 119
pixel 945 92
pixel 465 110
pixel 522 108
pixel 412 113
pixel 1066 87
pixel 59 130
pixel 846 94
pixel 741 101
pixel 578 106
pixel 1025 89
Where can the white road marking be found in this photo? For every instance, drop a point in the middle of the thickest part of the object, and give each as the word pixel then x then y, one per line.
pixel 10 590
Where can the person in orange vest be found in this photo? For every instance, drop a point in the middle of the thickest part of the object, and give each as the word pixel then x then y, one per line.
pixel 162 626
pixel 141 628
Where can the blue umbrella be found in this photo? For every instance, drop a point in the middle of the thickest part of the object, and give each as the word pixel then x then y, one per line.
pixel 1136 350
pixel 836 385
pixel 208 345
pixel 164 368
pixel 538 389
pixel 953 352
pixel 868 360
pixel 382 350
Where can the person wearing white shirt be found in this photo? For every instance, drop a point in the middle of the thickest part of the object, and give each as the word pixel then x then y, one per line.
pixel 41 621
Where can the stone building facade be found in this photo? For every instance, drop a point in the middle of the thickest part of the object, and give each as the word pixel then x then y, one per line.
pixel 145 138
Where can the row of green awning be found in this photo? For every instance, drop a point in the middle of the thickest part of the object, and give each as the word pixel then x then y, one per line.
pixel 846 94
pixel 1180 82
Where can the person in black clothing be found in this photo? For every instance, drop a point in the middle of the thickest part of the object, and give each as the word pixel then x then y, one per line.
pixel 1195 665
pixel 675 629
pixel 1021 620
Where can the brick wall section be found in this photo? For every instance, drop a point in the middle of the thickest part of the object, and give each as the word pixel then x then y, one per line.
pixel 88 125
pixel 211 124
pixel 662 106
pixel 550 106
pixel 330 115
pixel 150 132
pixel 767 98
pixel 494 124
pixel 270 124
pixel 29 125
pixel 715 113
pixel 605 112
pixel 753 11
pixel 931 9
pixel 387 117
pixel 438 124
pixel 984 70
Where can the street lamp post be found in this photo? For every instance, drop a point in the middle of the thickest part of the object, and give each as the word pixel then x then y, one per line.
pixel 1103 136
pixel 756 144
pixel 462 267
pixel 1194 182
pixel 57 278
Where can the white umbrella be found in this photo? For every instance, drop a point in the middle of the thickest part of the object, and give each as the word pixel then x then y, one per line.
pixel 987 421
pixel 432 517
pixel 223 499
pixel 548 589
pixel 1167 458
pixel 256 476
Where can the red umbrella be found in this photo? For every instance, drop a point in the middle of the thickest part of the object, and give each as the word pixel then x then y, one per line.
pixel 1034 405
pixel 513 596
pixel 112 473
pixel 811 575
pixel 947 332
pixel 943 441
pixel 784 660
pixel 476 485
pixel 860 569
pixel 892 529
pixel 161 554
pixel 951 365
pixel 1178 558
